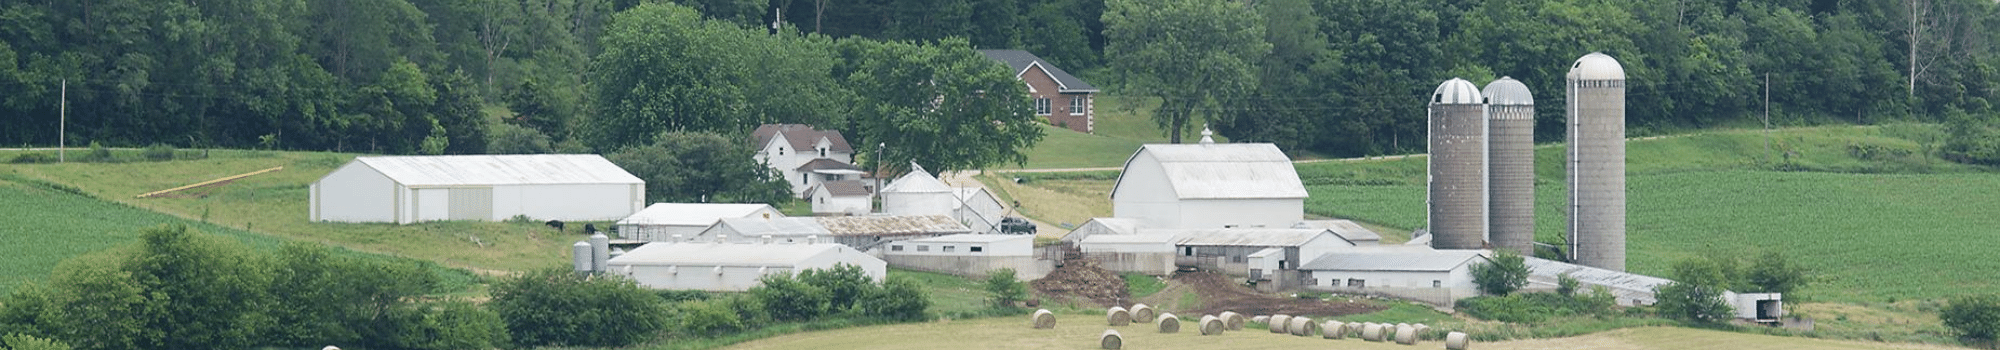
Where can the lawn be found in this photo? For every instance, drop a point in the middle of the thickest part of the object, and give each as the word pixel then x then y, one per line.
pixel 1123 123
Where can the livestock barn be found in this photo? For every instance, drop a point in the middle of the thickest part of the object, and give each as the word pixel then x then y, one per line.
pixel 1210 185
pixel 662 221
pixel 733 267
pixel 410 189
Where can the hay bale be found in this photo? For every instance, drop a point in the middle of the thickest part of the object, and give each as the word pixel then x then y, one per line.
pixel 1406 335
pixel 1141 312
pixel 1231 320
pixel 1118 316
pixel 1044 319
pixel 1334 330
pixel 1457 341
pixel 1261 319
pixel 1110 340
pixel 1354 329
pixel 1303 326
pixel 1211 325
pixel 1278 323
pixel 1168 323
pixel 1372 332
pixel 1421 330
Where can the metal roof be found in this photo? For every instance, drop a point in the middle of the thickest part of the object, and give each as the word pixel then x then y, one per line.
pixel 1224 171
pixel 916 181
pixel 1137 238
pixel 702 214
pixel 1394 258
pixel 892 225
pixel 1457 91
pixel 1625 284
pixel 1596 66
pixel 1242 237
pixel 801 137
pixel 1345 228
pixel 971 238
pixel 1508 91
pixel 1020 61
pixel 753 227
pixel 826 164
pixel 524 169
pixel 724 254
pixel 967 195
pixel 845 188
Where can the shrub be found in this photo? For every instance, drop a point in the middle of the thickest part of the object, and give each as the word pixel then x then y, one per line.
pixel 445 325
pixel 1506 273
pixel 1773 273
pixel 97 153
pixel 1003 290
pixel 788 299
pixel 898 299
pixel 709 318
pixel 1974 317
pixel 558 307
pixel 1565 285
pixel 1689 302
pixel 844 284
pixel 158 152
pixel 33 158
pixel 27 342
pixel 1537 307
pixel 682 295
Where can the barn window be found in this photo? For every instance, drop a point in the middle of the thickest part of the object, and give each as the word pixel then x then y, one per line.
pixel 1237 259
pixel 1356 283
pixel 895 248
pixel 949 249
pixel 977 249
pixel 923 248
pixel 1041 106
pixel 1076 104
pixel 1437 284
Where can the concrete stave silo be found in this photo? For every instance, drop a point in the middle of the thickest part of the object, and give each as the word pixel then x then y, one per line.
pixel 1510 110
pixel 1596 166
pixel 1457 162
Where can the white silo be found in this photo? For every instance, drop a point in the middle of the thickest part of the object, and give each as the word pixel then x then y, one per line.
pixel 1510 111
pixel 1596 107
pixel 1457 185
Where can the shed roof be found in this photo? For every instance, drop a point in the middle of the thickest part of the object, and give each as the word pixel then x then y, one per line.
pixel 968 194
pixel 522 169
pixel 724 254
pixel 892 225
pixel 752 227
pixel 845 188
pixel 972 238
pixel 916 181
pixel 1539 268
pixel 1122 226
pixel 1223 171
pixel 1394 258
pixel 826 164
pixel 1345 228
pixel 801 136
pixel 1165 239
pixel 1020 61
pixel 1242 237
pixel 702 214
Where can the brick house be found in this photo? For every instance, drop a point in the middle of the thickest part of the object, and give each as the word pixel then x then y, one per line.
pixel 1061 98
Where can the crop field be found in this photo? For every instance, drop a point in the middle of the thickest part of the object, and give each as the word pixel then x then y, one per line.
pixel 1076 331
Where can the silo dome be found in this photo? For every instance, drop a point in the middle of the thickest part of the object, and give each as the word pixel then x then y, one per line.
pixel 1596 66
pixel 1457 91
pixel 1508 91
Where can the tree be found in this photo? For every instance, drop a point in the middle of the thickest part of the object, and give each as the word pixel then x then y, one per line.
pixel 1196 56
pixel 1003 290
pixel 510 139
pixel 702 167
pixel 1975 317
pixel 330 297
pixel 844 284
pixel 1696 293
pixel 1507 272
pixel 27 342
pixel 558 307
pixel 1773 273
pixel 944 106
pixel 788 299
pixel 446 325
pixel 1566 285
pixel 898 299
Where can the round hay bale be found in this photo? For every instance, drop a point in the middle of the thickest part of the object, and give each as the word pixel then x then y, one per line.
pixel 1261 319
pixel 1141 312
pixel 1044 319
pixel 1406 335
pixel 1421 330
pixel 1118 316
pixel 1168 323
pixel 1457 341
pixel 1278 323
pixel 1334 330
pixel 1231 320
pixel 1354 329
pixel 1303 326
pixel 1211 325
pixel 1111 340
pixel 1372 332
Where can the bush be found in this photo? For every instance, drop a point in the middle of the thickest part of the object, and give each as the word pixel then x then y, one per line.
pixel 709 318
pixel 898 299
pixel 444 326
pixel 558 307
pixel 33 158
pixel 1506 273
pixel 1773 273
pixel 27 342
pixel 1565 285
pixel 158 152
pixel 844 285
pixel 788 299
pixel 1537 307
pixel 1003 290
pixel 1974 317
pixel 98 153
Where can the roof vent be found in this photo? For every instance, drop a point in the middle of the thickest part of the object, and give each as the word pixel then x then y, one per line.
pixel 1207 136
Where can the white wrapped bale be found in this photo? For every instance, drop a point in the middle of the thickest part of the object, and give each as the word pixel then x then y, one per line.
pixel 1372 332
pixel 1334 330
pixel 1111 340
pixel 1044 319
pixel 1406 335
pixel 1457 341
pixel 1211 325
pixel 1231 320
pixel 1168 323
pixel 1117 316
pixel 1302 326
pixel 1354 329
pixel 1260 319
pixel 1141 312
pixel 1278 323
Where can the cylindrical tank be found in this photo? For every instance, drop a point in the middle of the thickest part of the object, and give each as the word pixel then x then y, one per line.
pixel 1457 166
pixel 1510 166
pixel 600 252
pixel 581 257
pixel 1596 110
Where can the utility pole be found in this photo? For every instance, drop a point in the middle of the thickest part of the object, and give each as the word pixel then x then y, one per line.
pixel 1767 117
pixel 878 170
pixel 62 125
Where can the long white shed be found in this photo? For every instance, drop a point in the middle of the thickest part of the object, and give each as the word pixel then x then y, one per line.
pixel 733 267
pixel 410 189
pixel 662 221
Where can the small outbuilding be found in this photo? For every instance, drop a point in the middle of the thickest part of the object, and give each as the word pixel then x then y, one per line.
pixel 846 197
pixel 917 193
pixel 733 267
pixel 1210 185
pixel 410 189
pixel 662 221
pixel 745 230
pixel 967 255
pixel 864 233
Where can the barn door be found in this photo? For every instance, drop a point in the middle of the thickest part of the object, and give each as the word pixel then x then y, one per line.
pixel 473 203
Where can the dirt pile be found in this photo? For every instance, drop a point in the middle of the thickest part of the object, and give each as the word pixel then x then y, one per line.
pixel 1219 293
pixel 1081 279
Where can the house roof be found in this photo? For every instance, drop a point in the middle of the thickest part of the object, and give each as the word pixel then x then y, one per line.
pixel 1394 258
pixel 916 181
pixel 1223 171
pixel 1020 61
pixel 1345 228
pixel 1242 237
pixel 525 169
pixel 801 136
pixel 753 227
pixel 725 254
pixel 892 225
pixel 845 188
pixel 695 214
pixel 827 164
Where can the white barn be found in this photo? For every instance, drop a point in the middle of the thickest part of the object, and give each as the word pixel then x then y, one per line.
pixel 967 255
pixel 410 189
pixel 1210 185
pixel 733 267
pixel 661 221
pixel 1416 272
pixel 917 193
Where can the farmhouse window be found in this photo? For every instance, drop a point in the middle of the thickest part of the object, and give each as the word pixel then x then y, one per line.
pixel 1076 104
pixel 822 152
pixel 978 249
pixel 1041 106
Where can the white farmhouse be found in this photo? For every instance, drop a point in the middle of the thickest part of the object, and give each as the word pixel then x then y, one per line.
pixel 410 189
pixel 787 147
pixel 1210 185
pixel 967 255
pixel 733 267
pixel 848 197
pixel 917 193
pixel 662 221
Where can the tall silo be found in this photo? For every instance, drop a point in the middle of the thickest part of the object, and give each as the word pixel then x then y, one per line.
pixel 1597 162
pixel 1510 111
pixel 1458 166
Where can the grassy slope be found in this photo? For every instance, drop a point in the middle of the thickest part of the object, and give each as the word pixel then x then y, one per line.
pixel 1122 125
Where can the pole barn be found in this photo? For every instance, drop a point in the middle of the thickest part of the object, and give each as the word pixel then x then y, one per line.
pixel 410 189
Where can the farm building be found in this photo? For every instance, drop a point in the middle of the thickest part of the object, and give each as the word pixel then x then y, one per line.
pixel 1143 253
pixel 1103 226
pixel 1414 272
pixel 790 147
pixel 733 267
pixel 978 209
pixel 850 197
pixel 1210 185
pixel 1630 288
pixel 410 189
pixel 744 230
pixel 662 221
pixel 968 255
pixel 1227 250
pixel 1352 232
pixel 861 232
pixel 917 193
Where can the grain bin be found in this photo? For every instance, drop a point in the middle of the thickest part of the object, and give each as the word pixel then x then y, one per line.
pixel 1373 332
pixel 1278 323
pixel 1044 319
pixel 1457 341
pixel 1510 165
pixel 1117 316
pixel 1231 320
pixel 1168 323
pixel 1457 186
pixel 1302 326
pixel 1142 313
pixel 1110 340
pixel 600 252
pixel 1211 325
pixel 1406 335
pixel 1596 166
pixel 1333 330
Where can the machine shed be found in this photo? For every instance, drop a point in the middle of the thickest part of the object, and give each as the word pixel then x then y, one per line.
pixel 411 189
pixel 733 267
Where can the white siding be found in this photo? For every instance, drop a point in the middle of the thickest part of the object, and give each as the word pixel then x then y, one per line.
pixel 354 193
pixel 917 203
pixel 593 202
pixel 1245 213
pixel 433 204
pixel 825 203
pixel 1149 197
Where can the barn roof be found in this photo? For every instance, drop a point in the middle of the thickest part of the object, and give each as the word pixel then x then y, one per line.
pixel 524 169
pixel 699 214
pixel 892 225
pixel 1345 228
pixel 753 227
pixel 916 181
pixel 1394 258
pixel 724 254
pixel 1020 61
pixel 1243 237
pixel 1625 284
pixel 845 188
pixel 1223 171
pixel 801 136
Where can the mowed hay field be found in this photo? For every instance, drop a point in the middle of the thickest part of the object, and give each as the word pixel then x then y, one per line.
pixel 1075 331
pixel 43 226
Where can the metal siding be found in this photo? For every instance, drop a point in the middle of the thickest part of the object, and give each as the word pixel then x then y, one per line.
pixel 423 171
pixel 1457 189
pixel 471 203
pixel 1596 109
pixel 1511 167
